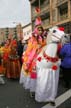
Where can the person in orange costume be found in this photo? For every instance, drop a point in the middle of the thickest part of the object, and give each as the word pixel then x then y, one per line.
pixel 35 44
pixel 5 56
pixel 14 63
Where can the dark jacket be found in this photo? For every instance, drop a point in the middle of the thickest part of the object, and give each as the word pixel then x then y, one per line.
pixel 19 48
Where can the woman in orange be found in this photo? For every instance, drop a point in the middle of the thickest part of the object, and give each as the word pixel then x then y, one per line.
pixel 35 45
pixel 6 52
pixel 14 63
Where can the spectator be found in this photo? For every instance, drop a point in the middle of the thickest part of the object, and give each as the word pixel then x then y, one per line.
pixel 20 50
pixel 65 53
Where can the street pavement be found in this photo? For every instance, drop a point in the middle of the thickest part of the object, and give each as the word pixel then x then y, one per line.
pixel 13 95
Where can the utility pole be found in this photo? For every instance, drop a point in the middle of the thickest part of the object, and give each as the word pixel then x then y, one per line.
pixel 39 3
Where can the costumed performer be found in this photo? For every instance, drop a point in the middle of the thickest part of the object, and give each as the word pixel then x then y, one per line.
pixel 47 65
pixel 14 63
pixel 5 55
pixel 35 45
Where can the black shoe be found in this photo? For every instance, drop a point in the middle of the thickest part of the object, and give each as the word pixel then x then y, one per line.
pixel 52 103
pixel 32 94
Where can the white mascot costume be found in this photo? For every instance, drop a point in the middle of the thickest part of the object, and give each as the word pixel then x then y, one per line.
pixel 48 67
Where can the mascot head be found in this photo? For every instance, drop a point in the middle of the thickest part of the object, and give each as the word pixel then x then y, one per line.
pixel 56 33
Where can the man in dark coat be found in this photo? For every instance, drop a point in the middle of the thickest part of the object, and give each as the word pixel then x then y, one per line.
pixel 20 49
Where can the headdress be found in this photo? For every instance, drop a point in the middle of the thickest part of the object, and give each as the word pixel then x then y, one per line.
pixel 38 21
pixel 61 28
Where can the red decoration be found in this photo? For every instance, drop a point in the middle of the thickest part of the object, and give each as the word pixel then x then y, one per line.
pixel 33 75
pixel 37 9
pixel 39 19
pixel 48 58
pixel 59 48
pixel 14 42
pixel 39 59
pixel 54 67
pixel 61 28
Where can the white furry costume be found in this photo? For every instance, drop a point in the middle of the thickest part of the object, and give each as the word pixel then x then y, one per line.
pixel 48 68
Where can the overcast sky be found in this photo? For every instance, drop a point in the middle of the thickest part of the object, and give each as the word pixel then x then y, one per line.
pixel 13 12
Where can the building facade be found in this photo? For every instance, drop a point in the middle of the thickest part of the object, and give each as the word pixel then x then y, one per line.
pixel 15 32
pixel 52 12
pixel 27 31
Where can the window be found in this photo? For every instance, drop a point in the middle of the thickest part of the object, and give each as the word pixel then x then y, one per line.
pixel 63 11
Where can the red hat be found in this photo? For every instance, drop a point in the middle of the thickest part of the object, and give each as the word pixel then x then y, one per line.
pixel 61 28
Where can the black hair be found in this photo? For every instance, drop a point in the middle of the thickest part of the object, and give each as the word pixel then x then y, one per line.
pixel 40 27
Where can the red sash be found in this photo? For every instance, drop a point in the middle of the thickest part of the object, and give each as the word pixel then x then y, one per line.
pixel 48 58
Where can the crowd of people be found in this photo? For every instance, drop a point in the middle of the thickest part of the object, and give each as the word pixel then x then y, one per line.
pixel 10 59
pixel 37 65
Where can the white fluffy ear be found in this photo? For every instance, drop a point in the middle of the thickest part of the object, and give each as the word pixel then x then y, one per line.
pixel 50 29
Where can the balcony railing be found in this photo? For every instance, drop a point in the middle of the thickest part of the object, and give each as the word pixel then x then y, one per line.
pixel 45 8
pixel 46 22
pixel 59 2
pixel 63 17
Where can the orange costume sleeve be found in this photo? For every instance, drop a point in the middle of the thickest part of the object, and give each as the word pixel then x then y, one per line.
pixel 29 53
pixel 32 48
pixel 6 52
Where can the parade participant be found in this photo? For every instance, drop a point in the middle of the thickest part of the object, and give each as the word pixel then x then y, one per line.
pixel 13 70
pixel 47 66
pixel 65 54
pixel 35 44
pixel 5 55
